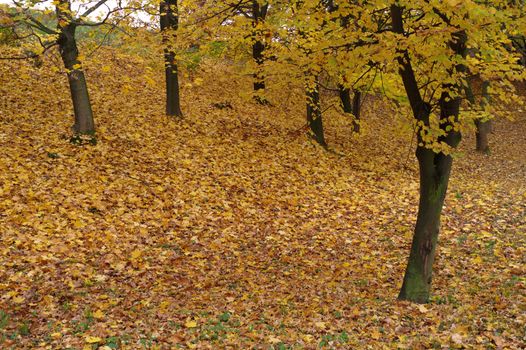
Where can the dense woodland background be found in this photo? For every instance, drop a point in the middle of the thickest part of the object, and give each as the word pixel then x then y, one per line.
pixel 224 221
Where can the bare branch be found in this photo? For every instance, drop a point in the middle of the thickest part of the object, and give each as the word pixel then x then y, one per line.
pixel 93 8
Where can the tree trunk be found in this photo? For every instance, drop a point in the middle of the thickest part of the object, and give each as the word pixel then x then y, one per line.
pixel 482 135
pixel 259 14
pixel 169 21
pixel 351 106
pixel 314 116
pixel 434 167
pixel 84 123
pixel 257 55
pixel 484 127
pixel 356 109
pixel 434 177
pixel 173 103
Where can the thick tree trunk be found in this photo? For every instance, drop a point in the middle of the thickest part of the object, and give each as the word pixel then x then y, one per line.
pixel 84 123
pixel 434 168
pixel 169 21
pixel 351 106
pixel 434 176
pixel 314 115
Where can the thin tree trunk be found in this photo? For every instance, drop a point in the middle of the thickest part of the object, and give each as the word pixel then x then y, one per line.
pixel 484 127
pixel 259 14
pixel 314 115
pixel 84 123
pixel 257 54
pixel 169 21
pixel 351 106
pixel 356 109
pixel 345 99
pixel 482 135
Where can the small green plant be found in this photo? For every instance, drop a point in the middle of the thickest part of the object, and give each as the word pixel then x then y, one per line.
pixel 462 239
pixel 4 319
pixel 224 317
pixel 113 342
pixel 83 326
pixel 329 339
pixel 282 346
pixel 23 329
pixel 490 247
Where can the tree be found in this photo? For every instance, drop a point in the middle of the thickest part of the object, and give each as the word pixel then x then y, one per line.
pixel 349 106
pixel 352 105
pixel 483 124
pixel 66 27
pixel 41 34
pixel 314 113
pixel 443 71
pixel 259 13
pixel 169 21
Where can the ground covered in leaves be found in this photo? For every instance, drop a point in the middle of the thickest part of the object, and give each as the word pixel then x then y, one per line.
pixel 231 230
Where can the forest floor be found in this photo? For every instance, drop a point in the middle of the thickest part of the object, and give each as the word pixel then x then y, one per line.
pixel 231 230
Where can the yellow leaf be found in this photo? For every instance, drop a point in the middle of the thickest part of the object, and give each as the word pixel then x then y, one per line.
pixel 98 314
pixel 56 335
pixel 307 338
pixel 19 300
pixel 190 324
pixel 136 254
pixel 92 340
pixel 422 309
pixel 477 260
pixel 320 324
pixel 375 334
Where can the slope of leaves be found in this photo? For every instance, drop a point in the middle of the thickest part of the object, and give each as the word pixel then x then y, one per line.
pixel 230 229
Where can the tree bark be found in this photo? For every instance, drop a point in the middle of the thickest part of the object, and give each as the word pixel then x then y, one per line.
pixel 314 115
pixel 169 21
pixel 484 127
pixel 351 106
pixel 356 109
pixel 434 167
pixel 259 14
pixel 482 135
pixel 84 123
